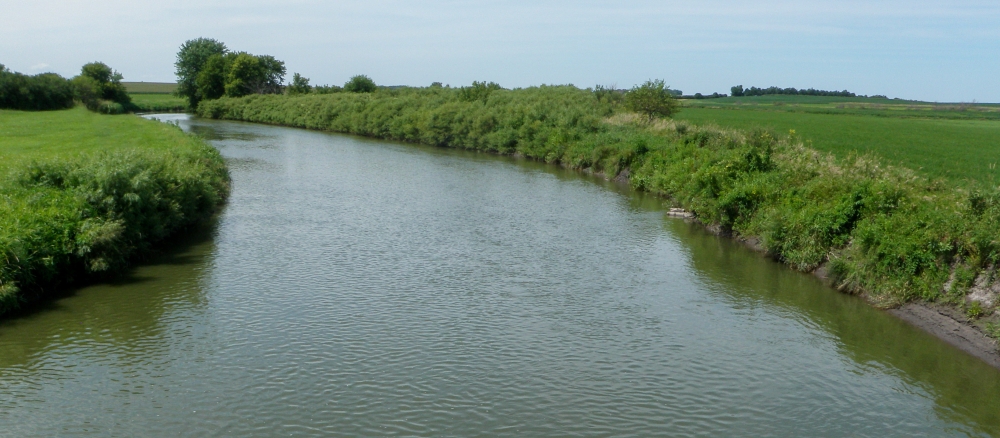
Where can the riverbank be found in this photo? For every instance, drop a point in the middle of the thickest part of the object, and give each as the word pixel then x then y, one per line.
pixel 84 194
pixel 889 234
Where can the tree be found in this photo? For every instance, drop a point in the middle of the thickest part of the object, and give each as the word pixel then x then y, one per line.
pixel 299 85
pixel 478 91
pixel 191 58
pixel 360 84
pixel 736 91
pixel 108 82
pixel 211 80
pixel 652 99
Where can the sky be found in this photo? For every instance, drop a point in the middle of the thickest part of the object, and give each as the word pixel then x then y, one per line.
pixel 946 51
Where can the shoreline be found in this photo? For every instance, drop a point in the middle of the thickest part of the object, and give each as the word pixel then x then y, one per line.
pixel 735 192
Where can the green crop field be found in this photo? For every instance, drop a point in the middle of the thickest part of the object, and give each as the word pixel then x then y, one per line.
pixel 938 140
pixel 157 102
pixel 150 87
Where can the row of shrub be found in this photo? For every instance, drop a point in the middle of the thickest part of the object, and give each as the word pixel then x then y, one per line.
pixel 883 231
pixel 98 87
pixel 45 91
pixel 87 215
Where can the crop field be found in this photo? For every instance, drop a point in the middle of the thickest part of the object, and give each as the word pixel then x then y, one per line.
pixel 939 140
pixel 157 102
pixel 150 87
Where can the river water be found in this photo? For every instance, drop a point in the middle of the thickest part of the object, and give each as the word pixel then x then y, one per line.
pixel 359 287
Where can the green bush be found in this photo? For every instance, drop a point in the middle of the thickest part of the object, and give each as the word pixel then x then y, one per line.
pixel 360 84
pixel 46 91
pixel 84 215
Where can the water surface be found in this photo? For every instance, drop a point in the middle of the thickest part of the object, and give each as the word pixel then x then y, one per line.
pixel 359 287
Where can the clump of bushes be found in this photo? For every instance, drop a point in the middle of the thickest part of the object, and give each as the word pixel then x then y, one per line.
pixel 87 215
pixel 360 84
pixel 100 89
pixel 46 91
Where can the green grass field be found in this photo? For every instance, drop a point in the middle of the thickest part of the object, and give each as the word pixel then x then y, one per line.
pixel 40 135
pixel 157 102
pixel 81 193
pixel 150 87
pixel 940 142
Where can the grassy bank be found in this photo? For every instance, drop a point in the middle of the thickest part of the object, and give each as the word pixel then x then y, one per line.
pixel 889 233
pixel 81 194
pixel 950 145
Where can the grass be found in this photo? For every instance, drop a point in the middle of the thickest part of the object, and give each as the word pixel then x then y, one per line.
pixel 150 87
pixel 157 102
pixel 81 194
pixel 887 232
pixel 960 150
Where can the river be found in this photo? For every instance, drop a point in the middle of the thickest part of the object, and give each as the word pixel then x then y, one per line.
pixel 359 287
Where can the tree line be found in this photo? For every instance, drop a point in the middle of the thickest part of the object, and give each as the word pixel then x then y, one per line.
pixel 98 87
pixel 739 91
pixel 207 70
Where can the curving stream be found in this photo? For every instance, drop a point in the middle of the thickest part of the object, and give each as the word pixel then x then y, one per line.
pixel 359 287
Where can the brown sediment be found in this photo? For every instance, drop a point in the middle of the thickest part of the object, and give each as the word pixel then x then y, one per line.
pixel 940 322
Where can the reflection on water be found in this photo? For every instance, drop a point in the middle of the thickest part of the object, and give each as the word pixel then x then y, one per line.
pixel 360 287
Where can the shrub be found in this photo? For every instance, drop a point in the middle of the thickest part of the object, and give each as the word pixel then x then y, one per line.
pixel 299 85
pixel 360 84
pixel 652 99
pixel 46 91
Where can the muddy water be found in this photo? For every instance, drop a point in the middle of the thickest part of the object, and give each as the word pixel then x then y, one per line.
pixel 357 287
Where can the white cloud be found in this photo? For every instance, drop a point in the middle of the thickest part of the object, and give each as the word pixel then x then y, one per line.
pixel 39 66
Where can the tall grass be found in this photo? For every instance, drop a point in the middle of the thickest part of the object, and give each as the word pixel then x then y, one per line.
pixel 889 233
pixel 76 212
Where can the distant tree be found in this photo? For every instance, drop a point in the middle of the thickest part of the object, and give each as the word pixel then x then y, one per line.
pixel 299 85
pixel 736 91
pixel 327 89
pixel 652 99
pixel 437 85
pixel 191 59
pixel 478 91
pixel 109 82
pixel 360 84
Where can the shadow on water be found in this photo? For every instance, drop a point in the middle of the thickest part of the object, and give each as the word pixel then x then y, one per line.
pixel 119 311
pixel 964 387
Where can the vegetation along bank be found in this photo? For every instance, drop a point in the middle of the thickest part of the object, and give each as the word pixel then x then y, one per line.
pixel 887 233
pixel 82 194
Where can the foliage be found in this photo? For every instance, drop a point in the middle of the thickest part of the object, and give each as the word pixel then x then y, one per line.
pixel 191 59
pixel 739 91
pixel 299 85
pixel 45 91
pixel 360 84
pixel 327 89
pixel 82 194
pixel 652 99
pixel 887 232
pixel 478 91
pixel 100 89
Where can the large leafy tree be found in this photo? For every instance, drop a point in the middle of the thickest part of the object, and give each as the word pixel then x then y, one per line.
pixel 652 99
pixel 191 59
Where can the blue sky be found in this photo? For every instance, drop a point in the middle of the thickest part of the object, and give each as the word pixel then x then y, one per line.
pixel 930 50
